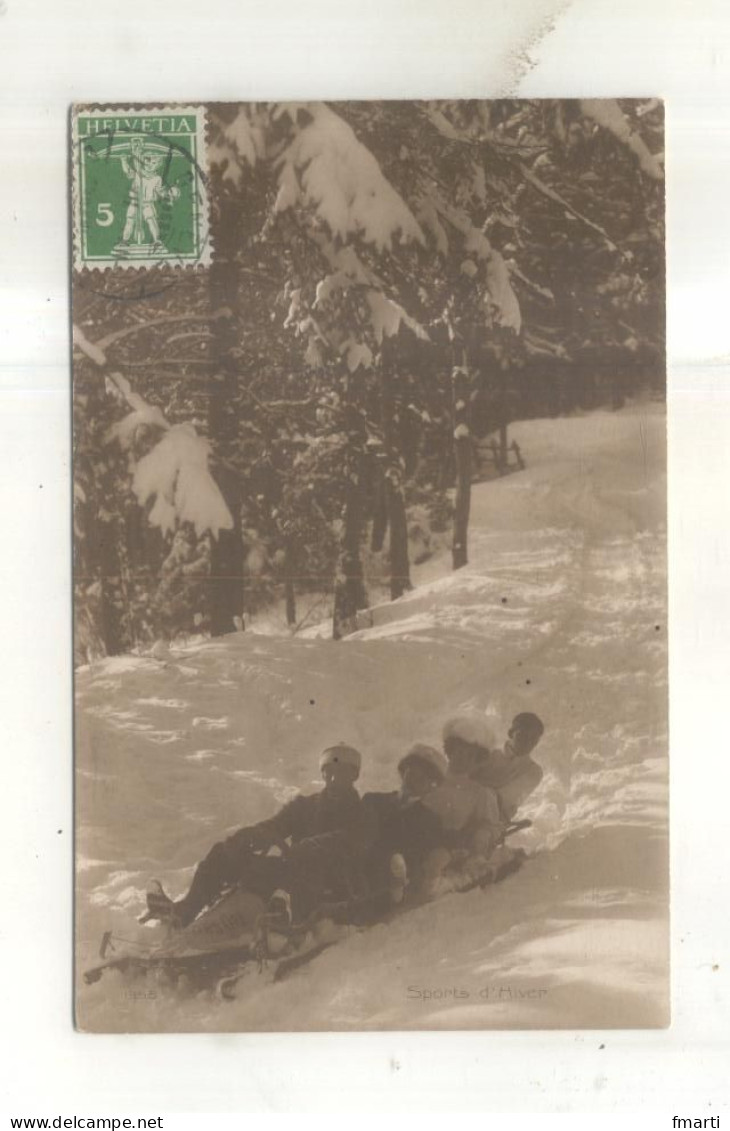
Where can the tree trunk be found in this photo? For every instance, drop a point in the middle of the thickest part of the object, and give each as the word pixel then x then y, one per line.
pixel 503 449
pixel 503 418
pixel 226 562
pixel 100 553
pixel 290 559
pixel 380 517
pixel 350 593
pixel 463 458
pixel 116 630
pixel 227 551
pixel 400 574
pixel 447 469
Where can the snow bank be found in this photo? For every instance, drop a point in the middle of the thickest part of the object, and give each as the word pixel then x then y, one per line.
pixel 561 611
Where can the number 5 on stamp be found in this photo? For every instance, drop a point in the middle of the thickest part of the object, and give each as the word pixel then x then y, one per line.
pixel 140 194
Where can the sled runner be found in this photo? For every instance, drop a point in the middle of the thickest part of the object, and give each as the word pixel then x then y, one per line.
pixel 225 935
pixel 337 920
pixel 242 935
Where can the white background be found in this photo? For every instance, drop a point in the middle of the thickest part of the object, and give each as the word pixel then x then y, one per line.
pixel 54 53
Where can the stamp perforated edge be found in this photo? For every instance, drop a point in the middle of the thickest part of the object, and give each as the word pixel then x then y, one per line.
pixel 205 256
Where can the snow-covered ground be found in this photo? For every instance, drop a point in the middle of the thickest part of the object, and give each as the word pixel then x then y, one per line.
pixel 560 611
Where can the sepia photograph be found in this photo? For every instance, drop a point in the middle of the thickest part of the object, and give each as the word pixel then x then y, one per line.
pixel 370 566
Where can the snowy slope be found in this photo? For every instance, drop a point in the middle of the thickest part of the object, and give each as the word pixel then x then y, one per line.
pixel 562 611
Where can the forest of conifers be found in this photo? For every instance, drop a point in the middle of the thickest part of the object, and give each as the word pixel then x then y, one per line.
pixel 391 285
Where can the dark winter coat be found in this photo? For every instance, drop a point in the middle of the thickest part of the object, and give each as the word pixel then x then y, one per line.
pixel 313 815
pixel 403 826
pixel 324 838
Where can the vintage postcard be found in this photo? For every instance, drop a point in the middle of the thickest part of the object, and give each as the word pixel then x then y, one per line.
pixel 370 565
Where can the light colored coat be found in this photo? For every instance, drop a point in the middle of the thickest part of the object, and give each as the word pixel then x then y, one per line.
pixel 464 806
pixel 513 778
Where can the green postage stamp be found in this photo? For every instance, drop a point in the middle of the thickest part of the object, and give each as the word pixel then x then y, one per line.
pixel 140 191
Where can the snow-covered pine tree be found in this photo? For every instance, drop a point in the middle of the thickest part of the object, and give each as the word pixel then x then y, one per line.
pixel 529 228
pixel 347 220
pixel 166 470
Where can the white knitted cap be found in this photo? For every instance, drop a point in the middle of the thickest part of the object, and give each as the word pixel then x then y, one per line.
pixel 341 752
pixel 471 727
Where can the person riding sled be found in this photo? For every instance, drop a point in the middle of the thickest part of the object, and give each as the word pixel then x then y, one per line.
pixel 406 830
pixel 511 772
pixel 321 840
pixel 468 811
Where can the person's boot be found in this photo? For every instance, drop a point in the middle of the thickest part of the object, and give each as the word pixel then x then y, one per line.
pixel 398 879
pixel 159 906
pixel 432 879
pixel 273 928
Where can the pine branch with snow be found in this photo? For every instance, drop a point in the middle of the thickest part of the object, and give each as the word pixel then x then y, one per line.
pixel 327 168
pixel 175 475
pixel 608 114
